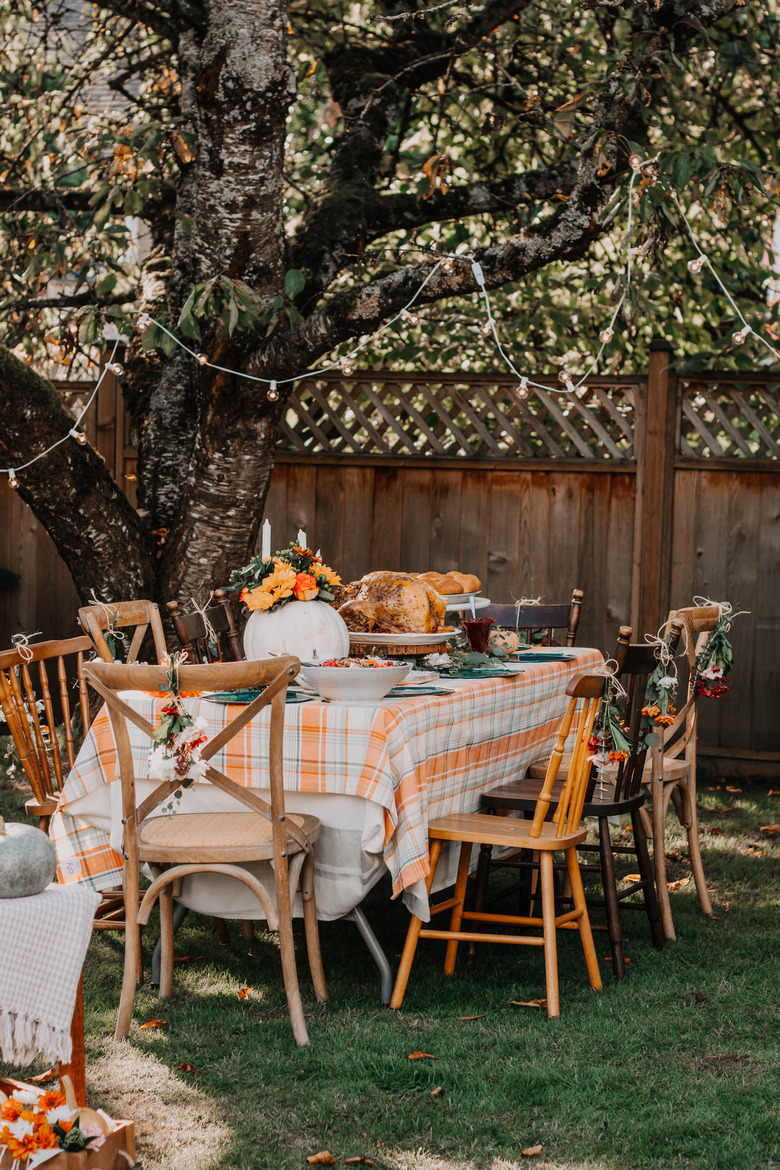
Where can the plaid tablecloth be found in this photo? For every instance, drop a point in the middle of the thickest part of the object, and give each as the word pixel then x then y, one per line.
pixel 420 757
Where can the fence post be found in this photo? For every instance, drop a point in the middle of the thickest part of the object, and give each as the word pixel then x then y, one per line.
pixel 655 451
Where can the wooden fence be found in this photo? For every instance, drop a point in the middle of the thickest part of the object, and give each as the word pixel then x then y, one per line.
pixel 643 490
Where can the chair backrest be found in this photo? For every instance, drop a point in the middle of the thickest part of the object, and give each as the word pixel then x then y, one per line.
pixel 35 694
pixel 221 643
pixel 108 679
pixel 589 690
pixel 546 618
pixel 103 621
pixel 634 669
pixel 697 623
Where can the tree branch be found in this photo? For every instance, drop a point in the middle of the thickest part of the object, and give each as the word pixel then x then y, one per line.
pixel 72 301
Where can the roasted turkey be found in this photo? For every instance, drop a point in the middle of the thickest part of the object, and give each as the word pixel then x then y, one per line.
pixel 392 603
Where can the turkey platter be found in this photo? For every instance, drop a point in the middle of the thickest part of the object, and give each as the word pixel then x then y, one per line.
pixel 392 603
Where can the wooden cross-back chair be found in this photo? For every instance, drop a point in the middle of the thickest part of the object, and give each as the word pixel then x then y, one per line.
pixel 35 694
pixel 187 843
pixel 104 622
pixel 562 833
pixel 547 619
pixel 620 794
pixel 671 770
pixel 194 635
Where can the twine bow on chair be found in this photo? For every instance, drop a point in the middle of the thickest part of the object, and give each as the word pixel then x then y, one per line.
pixel 21 644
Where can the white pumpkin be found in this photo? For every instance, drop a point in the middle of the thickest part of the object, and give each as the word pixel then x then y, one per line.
pixel 307 629
pixel 28 861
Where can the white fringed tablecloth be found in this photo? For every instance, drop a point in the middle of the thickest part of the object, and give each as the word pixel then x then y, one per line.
pixel 43 942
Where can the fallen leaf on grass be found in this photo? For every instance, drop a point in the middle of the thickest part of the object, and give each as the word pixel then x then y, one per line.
pixel 421 1056
pixel 712 830
pixel 531 1151
pixel 769 828
pixel 774 792
pixel 244 992
pixel 473 1017
pixel 632 877
pixel 154 1023
pixel 358 1161
pixel 609 959
pixel 324 1158
pixel 700 997
pixel 679 884
pixel 190 959
pixel 186 1067
pixel 44 1077
pixel 731 788
pixel 723 810
pixel 715 788
pixel 537 1003
pixel 437 1091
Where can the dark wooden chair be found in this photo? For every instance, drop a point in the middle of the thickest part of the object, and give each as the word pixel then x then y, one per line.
pixel 221 643
pixel 546 837
pixel 176 846
pixel 47 727
pixel 620 795
pixel 102 622
pixel 540 619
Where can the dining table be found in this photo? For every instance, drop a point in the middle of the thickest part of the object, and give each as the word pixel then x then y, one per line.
pixel 373 772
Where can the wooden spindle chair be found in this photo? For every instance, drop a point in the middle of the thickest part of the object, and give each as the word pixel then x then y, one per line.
pixel 671 770
pixel 540 619
pixel 193 633
pixel 35 694
pixel 100 622
pixel 621 795
pixel 563 833
pixel 177 846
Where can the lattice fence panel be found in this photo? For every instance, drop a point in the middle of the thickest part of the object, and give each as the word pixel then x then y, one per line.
pixel 738 418
pixel 460 417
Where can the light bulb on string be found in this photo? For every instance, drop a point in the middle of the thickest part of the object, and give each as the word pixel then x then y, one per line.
pixel 346 366
pixel 635 162
pixel 606 335
pixel 487 329
pixel 116 368
pixel 741 336
pixel 144 321
pixel 564 376
pixel 413 318
pixel 79 436
pixel 273 393
pixel 696 264
pixel 522 389
pixel 201 359
pixel 13 482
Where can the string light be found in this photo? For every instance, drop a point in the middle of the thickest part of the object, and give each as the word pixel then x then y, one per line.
pixel 346 367
pixel 273 393
pixel 741 336
pixel 116 368
pixel 413 318
pixel 522 389
pixel 487 328
pixel 636 162
pixel 696 264
pixel 13 482
pixel 79 436
pixel 201 359
pixel 606 336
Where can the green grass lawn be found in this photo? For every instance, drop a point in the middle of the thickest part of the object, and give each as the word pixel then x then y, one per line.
pixel 679 1065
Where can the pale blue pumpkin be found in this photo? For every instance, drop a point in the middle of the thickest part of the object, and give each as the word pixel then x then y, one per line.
pixel 28 861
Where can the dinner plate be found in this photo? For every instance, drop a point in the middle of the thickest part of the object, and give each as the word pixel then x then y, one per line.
pixel 460 598
pixel 365 639
pixel 249 696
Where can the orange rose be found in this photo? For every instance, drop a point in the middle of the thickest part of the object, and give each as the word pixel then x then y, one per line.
pixel 305 588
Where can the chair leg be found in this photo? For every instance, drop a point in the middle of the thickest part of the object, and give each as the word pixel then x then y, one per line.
pixel 646 873
pixel 609 883
pixel 311 927
pixel 132 961
pixel 583 922
pixel 546 874
pixel 659 858
pixel 691 822
pixel 480 894
pixel 166 942
pixel 248 929
pixel 413 936
pixel 461 881
pixel 287 949
pixel 222 931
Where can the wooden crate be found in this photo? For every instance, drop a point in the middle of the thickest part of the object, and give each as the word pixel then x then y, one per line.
pixel 116 1153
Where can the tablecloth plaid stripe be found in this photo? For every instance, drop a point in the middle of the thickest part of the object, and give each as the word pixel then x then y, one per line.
pixel 425 756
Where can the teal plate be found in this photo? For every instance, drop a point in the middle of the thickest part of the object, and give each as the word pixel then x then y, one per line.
pixel 533 656
pixel 250 696
pixel 480 672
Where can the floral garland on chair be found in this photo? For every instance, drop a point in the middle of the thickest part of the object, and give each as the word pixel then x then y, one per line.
pixel 179 739
pixel 609 739
pixel 716 658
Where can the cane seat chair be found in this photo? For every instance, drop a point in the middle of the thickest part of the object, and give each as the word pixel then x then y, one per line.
pixel 106 625
pixel 620 795
pixel 563 833
pixel 208 636
pixel 540 620
pixel 671 770
pixel 176 846
pixel 46 725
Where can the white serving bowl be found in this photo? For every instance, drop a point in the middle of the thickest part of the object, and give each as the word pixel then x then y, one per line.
pixel 353 682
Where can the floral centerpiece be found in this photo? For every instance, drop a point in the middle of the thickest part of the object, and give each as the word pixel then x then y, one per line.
pixel 32 1121
pixel 297 573
pixel 288 596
